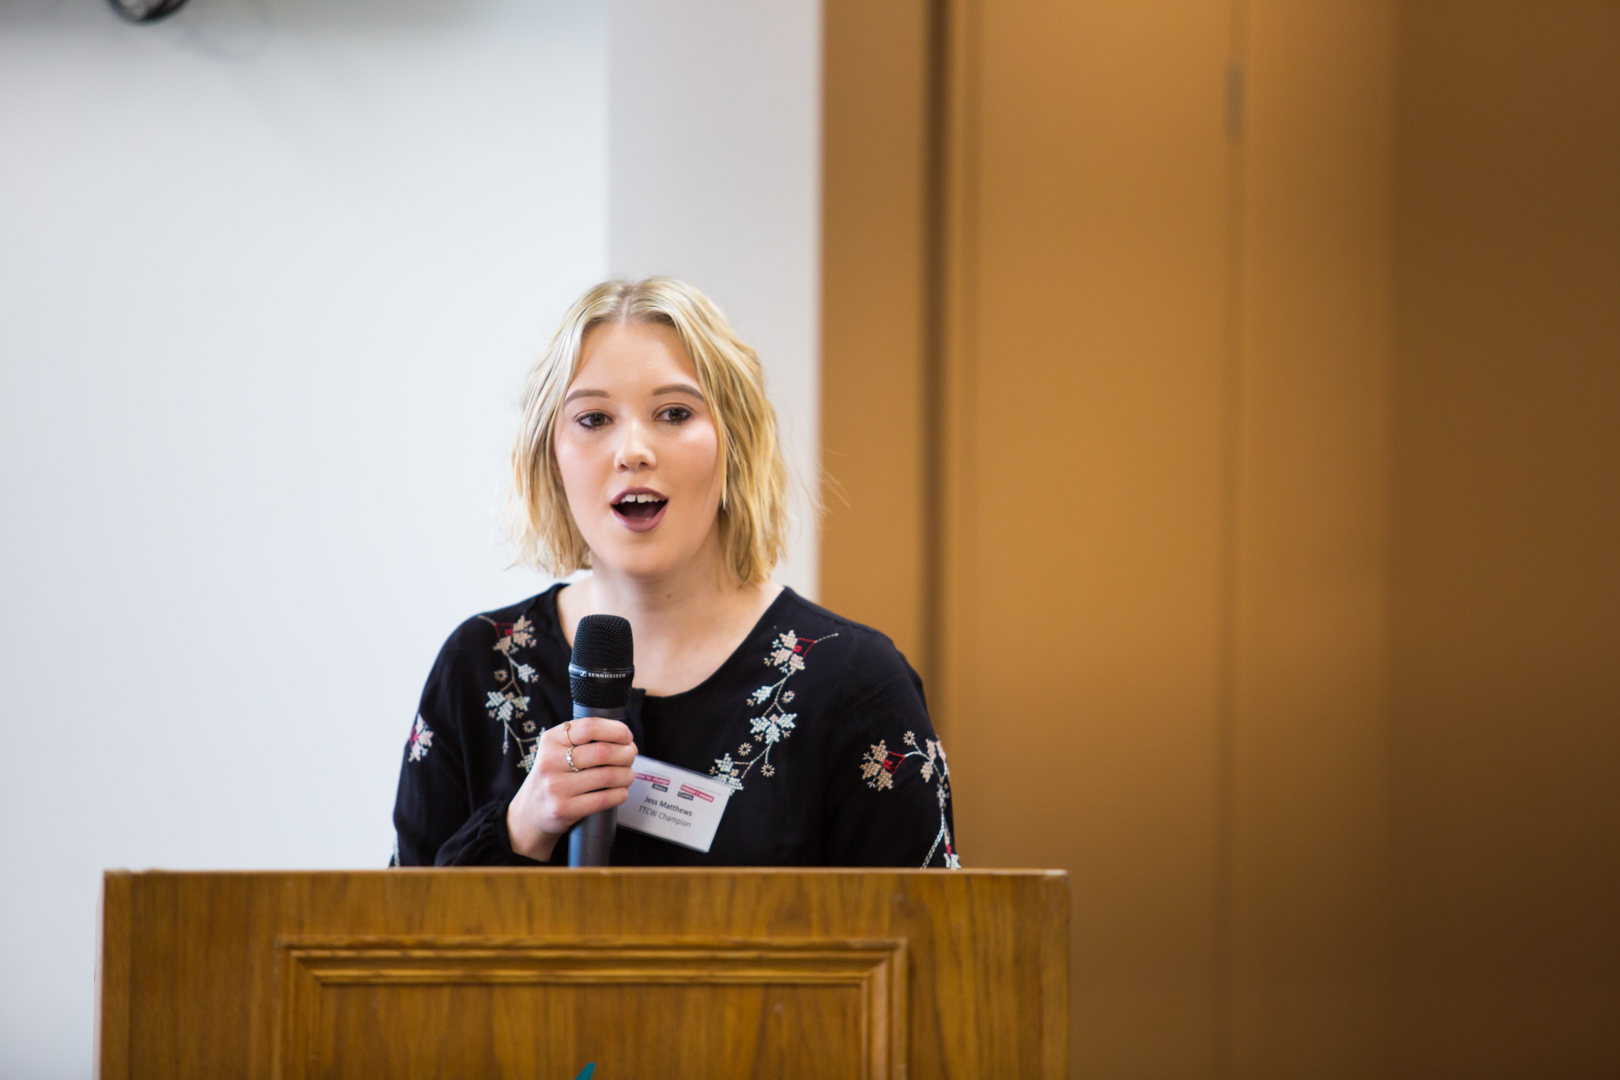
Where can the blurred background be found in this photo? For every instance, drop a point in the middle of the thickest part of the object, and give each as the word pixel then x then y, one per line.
pixel 1227 395
pixel 1217 400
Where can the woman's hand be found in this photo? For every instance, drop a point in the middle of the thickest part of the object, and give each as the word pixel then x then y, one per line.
pixel 553 797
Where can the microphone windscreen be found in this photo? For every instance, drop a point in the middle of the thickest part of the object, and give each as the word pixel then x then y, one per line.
pixel 599 673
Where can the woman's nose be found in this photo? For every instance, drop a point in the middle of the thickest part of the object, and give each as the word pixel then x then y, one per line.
pixel 635 448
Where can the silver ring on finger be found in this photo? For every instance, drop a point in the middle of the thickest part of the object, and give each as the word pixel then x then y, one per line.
pixel 571 766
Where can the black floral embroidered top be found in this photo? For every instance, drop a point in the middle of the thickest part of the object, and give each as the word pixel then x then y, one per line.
pixel 817 723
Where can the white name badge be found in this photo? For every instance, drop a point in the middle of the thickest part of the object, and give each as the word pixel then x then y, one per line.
pixel 674 804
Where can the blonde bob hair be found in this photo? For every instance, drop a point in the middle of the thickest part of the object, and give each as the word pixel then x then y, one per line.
pixel 753 495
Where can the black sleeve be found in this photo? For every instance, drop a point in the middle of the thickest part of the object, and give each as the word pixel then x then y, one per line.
pixel 889 791
pixel 435 820
pixel 482 841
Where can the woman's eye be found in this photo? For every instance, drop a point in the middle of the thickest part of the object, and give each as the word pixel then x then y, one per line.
pixel 593 420
pixel 677 414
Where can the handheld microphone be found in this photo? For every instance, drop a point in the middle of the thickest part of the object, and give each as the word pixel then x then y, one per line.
pixel 599 674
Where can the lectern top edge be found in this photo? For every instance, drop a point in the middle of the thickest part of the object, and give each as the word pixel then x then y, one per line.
pixel 625 871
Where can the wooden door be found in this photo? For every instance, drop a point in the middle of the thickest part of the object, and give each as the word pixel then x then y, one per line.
pixel 1078 662
pixel 1108 437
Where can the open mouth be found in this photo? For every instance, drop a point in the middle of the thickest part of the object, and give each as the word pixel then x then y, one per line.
pixel 640 509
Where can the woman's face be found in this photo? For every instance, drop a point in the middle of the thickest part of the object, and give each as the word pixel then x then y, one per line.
pixel 639 452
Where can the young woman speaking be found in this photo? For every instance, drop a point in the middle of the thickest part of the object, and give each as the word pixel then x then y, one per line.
pixel 648 454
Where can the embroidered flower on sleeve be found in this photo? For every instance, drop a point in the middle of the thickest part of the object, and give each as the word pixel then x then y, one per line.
pixel 774 723
pixel 421 740
pixel 879 765
pixel 876 768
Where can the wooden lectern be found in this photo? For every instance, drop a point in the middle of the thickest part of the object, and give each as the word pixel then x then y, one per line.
pixel 648 973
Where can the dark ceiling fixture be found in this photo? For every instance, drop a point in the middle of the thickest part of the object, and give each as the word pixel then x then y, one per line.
pixel 145 11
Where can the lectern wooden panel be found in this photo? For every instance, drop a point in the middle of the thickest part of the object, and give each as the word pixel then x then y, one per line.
pixel 534 973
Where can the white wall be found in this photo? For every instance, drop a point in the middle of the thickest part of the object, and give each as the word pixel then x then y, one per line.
pixel 714 165
pixel 270 273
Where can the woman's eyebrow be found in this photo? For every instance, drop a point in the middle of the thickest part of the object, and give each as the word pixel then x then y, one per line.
pixel 584 393
pixel 678 388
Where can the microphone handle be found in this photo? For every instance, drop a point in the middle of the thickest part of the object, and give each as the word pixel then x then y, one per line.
pixel 592 837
